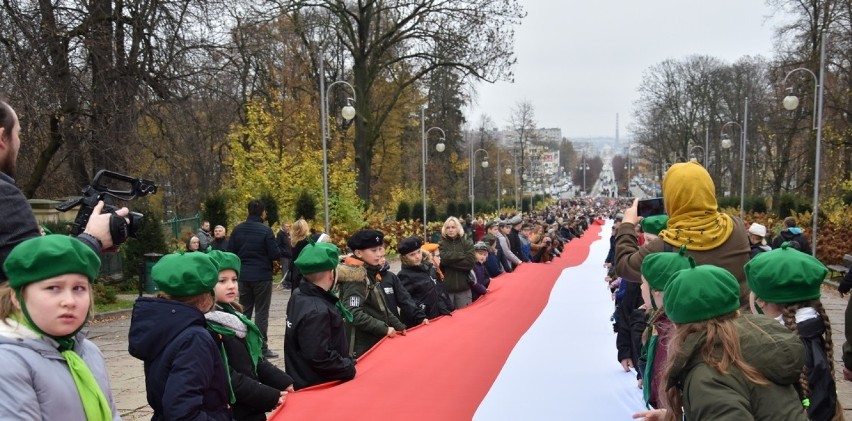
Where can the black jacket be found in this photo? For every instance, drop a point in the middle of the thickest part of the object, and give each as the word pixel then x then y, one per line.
pixel 184 374
pixel 786 235
pixel 423 286
pixel 296 276
pixel 399 300
pixel 823 391
pixel 256 391
pixel 283 240
pixel 220 244
pixel 254 243
pixel 514 238
pixel 315 343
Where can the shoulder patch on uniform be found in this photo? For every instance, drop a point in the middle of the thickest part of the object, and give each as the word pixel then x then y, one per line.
pixel 388 290
pixel 354 301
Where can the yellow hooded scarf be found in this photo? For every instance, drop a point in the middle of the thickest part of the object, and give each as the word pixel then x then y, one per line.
pixel 694 218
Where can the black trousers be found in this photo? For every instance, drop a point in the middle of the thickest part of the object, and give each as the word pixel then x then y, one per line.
pixel 256 297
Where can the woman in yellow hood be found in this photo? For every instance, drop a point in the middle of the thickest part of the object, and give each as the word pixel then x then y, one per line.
pixel 710 236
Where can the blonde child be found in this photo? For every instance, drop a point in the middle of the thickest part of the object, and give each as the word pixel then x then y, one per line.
pixel 50 370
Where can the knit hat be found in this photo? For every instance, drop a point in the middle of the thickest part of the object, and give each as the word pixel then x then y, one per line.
pixel 701 293
pixel 366 239
pixel 480 246
pixel 408 245
pixel 658 268
pixel 225 260
pixel 318 257
pixel 44 257
pixel 185 275
pixel 785 275
pixel 430 247
pixel 757 229
pixel 654 224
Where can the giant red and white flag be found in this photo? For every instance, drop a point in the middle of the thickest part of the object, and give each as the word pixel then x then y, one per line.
pixel 538 346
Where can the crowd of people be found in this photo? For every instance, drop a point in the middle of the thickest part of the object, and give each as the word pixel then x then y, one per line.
pixel 718 321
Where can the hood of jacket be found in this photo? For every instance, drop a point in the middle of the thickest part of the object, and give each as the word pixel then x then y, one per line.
pixel 766 345
pixel 156 322
pixel 14 333
pixel 351 270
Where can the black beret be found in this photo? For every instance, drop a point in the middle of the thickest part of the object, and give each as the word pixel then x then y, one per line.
pixel 366 239
pixel 408 245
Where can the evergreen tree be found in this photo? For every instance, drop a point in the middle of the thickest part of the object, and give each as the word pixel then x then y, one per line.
pixel 215 209
pixel 271 206
pixel 306 206
pixel 149 239
pixel 403 211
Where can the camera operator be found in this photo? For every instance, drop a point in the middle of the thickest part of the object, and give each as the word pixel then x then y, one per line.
pixel 18 222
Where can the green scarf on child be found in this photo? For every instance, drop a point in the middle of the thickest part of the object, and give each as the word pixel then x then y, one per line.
pixel 92 397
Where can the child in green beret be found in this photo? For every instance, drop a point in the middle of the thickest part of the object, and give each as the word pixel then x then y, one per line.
pixel 315 346
pixel 785 285
pixel 723 365
pixel 258 385
pixel 657 269
pixel 50 370
pixel 185 376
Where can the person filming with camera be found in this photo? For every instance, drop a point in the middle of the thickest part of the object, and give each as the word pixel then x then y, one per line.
pixel 18 223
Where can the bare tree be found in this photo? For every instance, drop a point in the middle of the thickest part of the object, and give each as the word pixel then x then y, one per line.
pixel 405 40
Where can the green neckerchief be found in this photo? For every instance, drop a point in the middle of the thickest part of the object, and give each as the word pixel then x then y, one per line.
pixel 346 313
pixel 648 375
pixel 94 402
pixel 222 330
pixel 254 339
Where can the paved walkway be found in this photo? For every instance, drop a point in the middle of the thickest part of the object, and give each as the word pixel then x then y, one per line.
pixel 128 379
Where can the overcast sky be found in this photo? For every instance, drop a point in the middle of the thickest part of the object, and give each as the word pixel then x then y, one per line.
pixel 581 62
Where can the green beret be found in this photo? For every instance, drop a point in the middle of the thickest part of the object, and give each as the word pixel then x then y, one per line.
pixel 785 275
pixel 185 275
pixel 45 257
pixel 654 224
pixel 658 268
pixel 318 257
pixel 701 293
pixel 225 260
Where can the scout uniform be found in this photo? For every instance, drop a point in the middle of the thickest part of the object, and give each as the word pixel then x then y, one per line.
pixel 315 346
pixel 786 276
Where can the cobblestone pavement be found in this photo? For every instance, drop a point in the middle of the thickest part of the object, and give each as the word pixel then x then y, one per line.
pixel 128 379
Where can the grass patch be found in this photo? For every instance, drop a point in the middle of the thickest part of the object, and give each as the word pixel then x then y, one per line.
pixel 119 304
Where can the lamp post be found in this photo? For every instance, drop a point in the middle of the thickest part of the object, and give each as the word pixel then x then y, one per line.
pixel 726 143
pixel 584 167
pixel 790 103
pixel 347 112
pixel 473 174
pixel 499 176
pixel 696 156
pixel 424 134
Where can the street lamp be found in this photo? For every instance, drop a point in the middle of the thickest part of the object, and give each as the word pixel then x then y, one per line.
pixel 584 167
pixel 696 156
pixel 790 103
pixel 424 134
pixel 726 143
pixel 473 174
pixel 347 112
pixel 499 176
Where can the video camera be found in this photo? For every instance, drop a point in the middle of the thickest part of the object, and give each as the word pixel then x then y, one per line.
pixel 119 229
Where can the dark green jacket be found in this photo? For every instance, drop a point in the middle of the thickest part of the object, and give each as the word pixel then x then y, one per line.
pixel 457 259
pixel 769 347
pixel 365 299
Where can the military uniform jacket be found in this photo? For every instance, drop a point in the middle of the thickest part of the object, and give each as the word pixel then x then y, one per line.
pixel 365 299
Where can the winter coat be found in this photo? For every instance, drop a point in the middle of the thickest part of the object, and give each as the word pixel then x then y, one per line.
pixel 792 234
pixel 503 243
pixel 36 383
pixel 256 390
pixel 316 349
pixel 284 244
pixel 457 259
pixel 732 255
pixel 481 280
pixel 766 345
pixel 514 238
pixel 184 374
pixel 204 239
pixel 423 286
pixel 220 244
pixel 254 243
pixel 492 265
pixel 295 274
pixel 398 299
pixel 823 390
pixel 757 249
pixel 365 299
